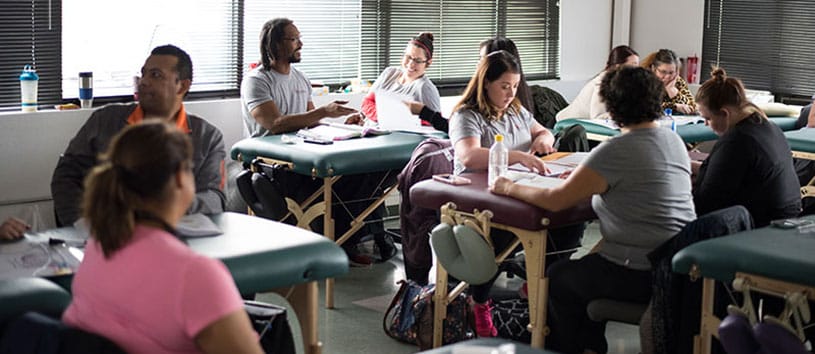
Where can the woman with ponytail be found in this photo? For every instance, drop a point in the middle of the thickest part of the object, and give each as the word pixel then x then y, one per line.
pixel 139 285
pixel 751 163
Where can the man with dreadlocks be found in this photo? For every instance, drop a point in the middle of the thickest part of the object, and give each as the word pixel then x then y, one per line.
pixel 276 96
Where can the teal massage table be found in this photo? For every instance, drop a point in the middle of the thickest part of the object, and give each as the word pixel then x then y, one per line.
pixel 802 144
pixel 769 260
pixel 262 255
pixel 329 163
pixel 691 134
pixel 473 205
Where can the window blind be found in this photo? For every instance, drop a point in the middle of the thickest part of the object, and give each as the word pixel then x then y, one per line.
pixel 114 46
pixel 763 43
pixel 458 27
pixel 330 30
pixel 30 32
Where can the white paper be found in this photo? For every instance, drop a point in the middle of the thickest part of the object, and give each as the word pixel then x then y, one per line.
pixel 558 166
pixel 32 256
pixel 393 114
pixel 197 225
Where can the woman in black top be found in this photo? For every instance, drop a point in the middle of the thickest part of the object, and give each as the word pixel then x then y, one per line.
pixel 751 163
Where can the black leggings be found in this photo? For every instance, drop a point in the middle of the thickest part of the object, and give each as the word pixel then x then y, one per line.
pixel 573 285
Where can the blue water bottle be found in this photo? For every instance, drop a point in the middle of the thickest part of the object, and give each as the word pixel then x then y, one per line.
pixel 669 113
pixel 29 81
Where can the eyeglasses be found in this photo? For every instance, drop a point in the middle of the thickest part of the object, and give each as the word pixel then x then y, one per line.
pixel 666 72
pixel 417 61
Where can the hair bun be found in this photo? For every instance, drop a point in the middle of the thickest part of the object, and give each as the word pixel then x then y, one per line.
pixel 426 35
pixel 718 73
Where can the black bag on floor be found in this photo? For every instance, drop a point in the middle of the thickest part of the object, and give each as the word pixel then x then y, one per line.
pixel 272 326
pixel 511 318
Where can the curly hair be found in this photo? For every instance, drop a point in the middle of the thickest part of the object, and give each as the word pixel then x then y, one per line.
pixel 632 95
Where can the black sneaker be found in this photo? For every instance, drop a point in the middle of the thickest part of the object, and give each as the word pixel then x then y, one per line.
pixel 384 243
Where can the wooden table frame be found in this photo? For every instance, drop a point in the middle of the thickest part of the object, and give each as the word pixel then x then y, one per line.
pixel 709 325
pixel 305 212
pixel 534 244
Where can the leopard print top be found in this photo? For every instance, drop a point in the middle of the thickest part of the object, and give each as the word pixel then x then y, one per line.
pixel 683 97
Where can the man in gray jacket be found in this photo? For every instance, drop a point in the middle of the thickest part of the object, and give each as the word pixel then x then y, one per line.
pixel 165 79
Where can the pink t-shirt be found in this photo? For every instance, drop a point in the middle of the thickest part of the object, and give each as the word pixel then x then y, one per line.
pixel 152 296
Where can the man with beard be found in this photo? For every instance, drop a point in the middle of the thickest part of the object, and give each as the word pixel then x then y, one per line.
pixel 166 78
pixel 276 97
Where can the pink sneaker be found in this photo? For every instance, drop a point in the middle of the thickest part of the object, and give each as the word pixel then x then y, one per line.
pixel 483 320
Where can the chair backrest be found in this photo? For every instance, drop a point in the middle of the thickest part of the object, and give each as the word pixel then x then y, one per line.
pixel 35 333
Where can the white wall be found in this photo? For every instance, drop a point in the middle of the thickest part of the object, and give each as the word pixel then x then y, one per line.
pixel 671 24
pixel 585 38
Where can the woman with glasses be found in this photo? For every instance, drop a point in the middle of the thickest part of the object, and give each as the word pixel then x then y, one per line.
pixel 677 96
pixel 409 79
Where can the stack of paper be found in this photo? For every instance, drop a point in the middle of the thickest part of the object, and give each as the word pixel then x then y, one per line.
pixel 335 132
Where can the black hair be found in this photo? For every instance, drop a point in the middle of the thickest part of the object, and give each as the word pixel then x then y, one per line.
pixel 184 65
pixel 270 37
pixel 632 95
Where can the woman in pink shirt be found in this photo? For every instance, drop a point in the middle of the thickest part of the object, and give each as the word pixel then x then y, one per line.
pixel 138 285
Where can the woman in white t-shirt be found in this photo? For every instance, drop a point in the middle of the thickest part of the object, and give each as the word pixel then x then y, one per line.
pixel 588 104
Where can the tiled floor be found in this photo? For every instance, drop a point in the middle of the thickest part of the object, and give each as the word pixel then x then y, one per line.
pixel 355 325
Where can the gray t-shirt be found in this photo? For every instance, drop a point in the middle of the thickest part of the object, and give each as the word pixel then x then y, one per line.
pixel 420 90
pixel 516 127
pixel 649 196
pixel 291 94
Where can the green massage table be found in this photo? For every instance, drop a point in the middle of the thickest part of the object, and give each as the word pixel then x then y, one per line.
pixel 802 144
pixel 329 163
pixel 262 255
pixel 769 260
pixel 692 134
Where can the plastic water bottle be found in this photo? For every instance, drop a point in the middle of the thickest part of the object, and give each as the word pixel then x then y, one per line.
pixel 669 114
pixel 29 81
pixel 499 158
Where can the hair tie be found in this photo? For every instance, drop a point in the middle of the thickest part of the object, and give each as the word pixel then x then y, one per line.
pixel 426 50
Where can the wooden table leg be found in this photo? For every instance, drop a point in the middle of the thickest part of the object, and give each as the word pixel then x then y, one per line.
pixel 439 305
pixel 537 283
pixel 328 230
pixel 702 341
pixel 303 299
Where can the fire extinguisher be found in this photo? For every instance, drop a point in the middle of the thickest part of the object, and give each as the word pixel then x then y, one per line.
pixel 693 66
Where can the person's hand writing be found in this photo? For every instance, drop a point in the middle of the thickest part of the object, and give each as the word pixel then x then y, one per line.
pixel 533 163
pixel 13 229
pixel 415 107
pixel 337 109
pixel 501 186
pixel 541 146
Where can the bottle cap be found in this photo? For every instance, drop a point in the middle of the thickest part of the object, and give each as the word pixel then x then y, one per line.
pixel 499 138
pixel 29 74
pixel 86 74
pixel 668 111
